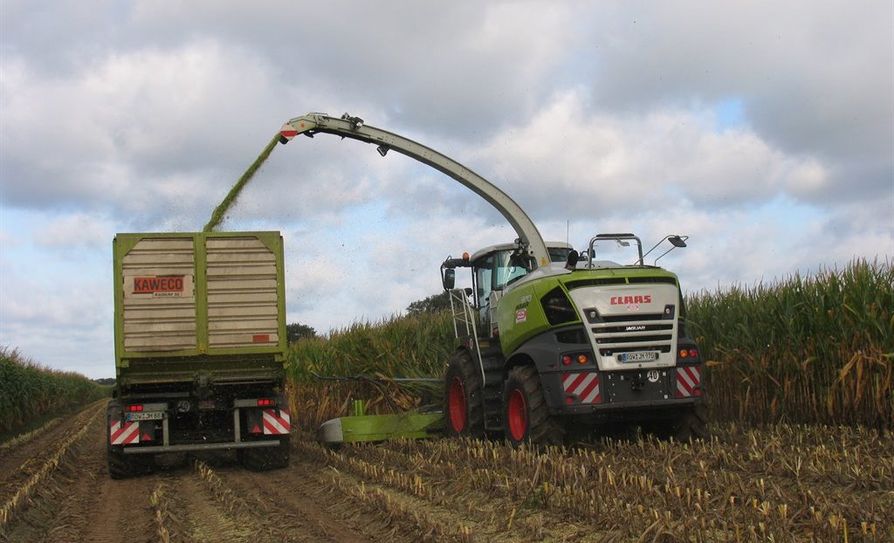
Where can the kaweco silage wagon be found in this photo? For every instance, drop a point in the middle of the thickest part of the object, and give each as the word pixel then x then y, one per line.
pixel 200 343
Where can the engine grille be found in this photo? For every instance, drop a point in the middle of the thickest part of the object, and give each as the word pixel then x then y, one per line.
pixel 633 333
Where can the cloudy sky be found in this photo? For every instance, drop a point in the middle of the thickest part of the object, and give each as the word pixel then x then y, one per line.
pixel 763 130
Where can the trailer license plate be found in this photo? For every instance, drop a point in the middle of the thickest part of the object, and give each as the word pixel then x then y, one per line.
pixel 152 415
pixel 639 356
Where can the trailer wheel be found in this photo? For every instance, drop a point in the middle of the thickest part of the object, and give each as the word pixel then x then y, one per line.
pixel 267 458
pixel 463 399
pixel 691 424
pixel 526 416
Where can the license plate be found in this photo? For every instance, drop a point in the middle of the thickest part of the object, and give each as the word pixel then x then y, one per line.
pixel 639 356
pixel 152 415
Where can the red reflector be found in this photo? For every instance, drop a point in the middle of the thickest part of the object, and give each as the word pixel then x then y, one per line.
pixel 566 360
pixel 255 429
pixel 135 408
pixel 693 353
pixel 260 338
pixel 146 437
pixel 265 402
pixel 569 400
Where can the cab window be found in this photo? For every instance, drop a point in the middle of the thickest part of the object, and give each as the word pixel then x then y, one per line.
pixel 484 279
pixel 506 271
pixel 558 254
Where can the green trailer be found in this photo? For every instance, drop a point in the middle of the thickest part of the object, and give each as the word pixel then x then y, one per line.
pixel 200 344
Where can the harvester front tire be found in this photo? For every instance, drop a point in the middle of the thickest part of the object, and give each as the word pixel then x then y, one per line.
pixel 691 424
pixel 526 417
pixel 463 397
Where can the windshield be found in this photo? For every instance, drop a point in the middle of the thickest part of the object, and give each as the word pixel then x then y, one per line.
pixel 506 271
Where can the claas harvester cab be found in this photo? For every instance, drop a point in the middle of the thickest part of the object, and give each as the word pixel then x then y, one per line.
pixel 572 345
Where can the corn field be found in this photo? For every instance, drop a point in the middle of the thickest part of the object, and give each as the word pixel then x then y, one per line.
pixel 29 391
pixel 816 349
pixel 408 347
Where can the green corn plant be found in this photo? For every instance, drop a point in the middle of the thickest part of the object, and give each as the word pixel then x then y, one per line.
pixel 29 391
pixel 802 349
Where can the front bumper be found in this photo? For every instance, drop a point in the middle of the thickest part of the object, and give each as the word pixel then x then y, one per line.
pixel 586 391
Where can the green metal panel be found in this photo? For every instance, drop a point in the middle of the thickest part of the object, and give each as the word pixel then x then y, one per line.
pixel 514 331
pixel 201 272
pixel 382 427
pixel 523 301
pixel 363 428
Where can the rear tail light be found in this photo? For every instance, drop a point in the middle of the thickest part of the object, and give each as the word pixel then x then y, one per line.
pixel 580 358
pixel 688 353
pixel 135 408
pixel 265 402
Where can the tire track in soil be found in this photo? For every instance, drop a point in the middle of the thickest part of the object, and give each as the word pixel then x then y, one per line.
pixel 310 511
pixel 80 503
pixel 20 462
pixel 200 519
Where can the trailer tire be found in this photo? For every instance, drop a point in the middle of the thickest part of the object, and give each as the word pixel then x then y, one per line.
pixel 267 458
pixel 463 397
pixel 691 424
pixel 122 466
pixel 526 417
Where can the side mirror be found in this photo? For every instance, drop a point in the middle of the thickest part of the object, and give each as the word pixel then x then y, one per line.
pixel 449 278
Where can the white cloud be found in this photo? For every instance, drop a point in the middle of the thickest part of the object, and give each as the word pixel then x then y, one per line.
pixel 75 232
pixel 136 117
pixel 606 165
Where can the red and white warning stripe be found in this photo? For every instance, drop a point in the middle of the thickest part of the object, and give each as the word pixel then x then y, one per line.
pixel 127 433
pixel 585 386
pixel 689 380
pixel 276 425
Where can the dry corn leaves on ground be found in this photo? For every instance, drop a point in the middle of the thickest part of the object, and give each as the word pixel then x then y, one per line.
pixel 780 483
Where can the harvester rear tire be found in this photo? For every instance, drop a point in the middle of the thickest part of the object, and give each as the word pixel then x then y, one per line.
pixel 463 397
pixel 267 458
pixel 526 417
pixel 691 424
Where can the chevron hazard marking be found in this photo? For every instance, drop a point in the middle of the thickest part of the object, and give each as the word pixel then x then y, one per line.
pixel 688 381
pixel 127 433
pixel 276 425
pixel 585 386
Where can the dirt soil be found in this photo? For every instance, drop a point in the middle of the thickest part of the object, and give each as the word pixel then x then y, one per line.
pixel 784 484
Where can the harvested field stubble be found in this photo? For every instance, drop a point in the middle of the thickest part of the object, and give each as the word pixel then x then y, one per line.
pixel 782 483
pixel 778 483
